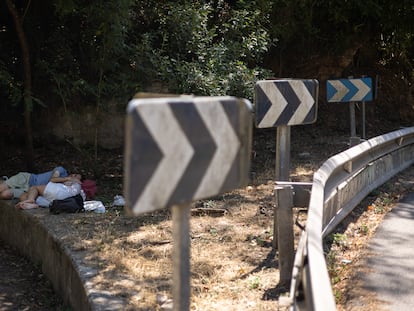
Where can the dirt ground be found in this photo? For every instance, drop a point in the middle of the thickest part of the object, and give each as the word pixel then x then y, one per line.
pixel 232 260
pixel 23 286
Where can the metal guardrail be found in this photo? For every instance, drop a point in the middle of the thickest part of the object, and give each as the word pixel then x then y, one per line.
pixel 338 187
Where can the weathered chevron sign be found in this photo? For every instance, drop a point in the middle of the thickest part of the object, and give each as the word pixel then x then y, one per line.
pixel 286 102
pixel 185 148
pixel 349 90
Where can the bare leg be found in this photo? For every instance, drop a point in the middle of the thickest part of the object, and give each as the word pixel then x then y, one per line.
pixel 28 200
pixel 24 197
pixel 5 192
pixel 6 195
pixel 3 186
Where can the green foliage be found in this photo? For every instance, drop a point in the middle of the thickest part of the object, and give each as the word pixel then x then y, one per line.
pixel 254 282
pixel 98 48
pixel 396 42
pixel 93 51
pixel 9 87
pixel 330 24
pixel 204 49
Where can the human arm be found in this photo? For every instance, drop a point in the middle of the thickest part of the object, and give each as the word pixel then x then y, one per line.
pixel 73 178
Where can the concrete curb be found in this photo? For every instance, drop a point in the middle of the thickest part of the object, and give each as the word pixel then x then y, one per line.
pixel 31 233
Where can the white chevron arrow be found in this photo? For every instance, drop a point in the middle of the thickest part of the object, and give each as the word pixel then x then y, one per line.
pixel 227 143
pixel 341 90
pixel 363 89
pixel 273 93
pixel 177 152
pixel 306 102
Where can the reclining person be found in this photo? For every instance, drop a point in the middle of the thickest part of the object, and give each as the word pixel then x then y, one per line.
pixel 58 189
pixel 20 183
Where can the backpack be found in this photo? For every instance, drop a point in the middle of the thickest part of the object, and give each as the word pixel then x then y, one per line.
pixel 89 187
pixel 72 204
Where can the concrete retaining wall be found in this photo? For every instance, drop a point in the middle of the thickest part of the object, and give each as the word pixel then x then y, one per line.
pixel 36 236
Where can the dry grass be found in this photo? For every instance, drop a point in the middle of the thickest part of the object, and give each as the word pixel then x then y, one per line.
pixel 233 266
pixel 232 262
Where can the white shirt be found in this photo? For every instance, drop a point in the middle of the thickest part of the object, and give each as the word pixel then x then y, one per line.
pixel 58 191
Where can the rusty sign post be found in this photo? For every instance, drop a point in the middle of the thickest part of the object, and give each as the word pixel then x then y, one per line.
pixel 182 149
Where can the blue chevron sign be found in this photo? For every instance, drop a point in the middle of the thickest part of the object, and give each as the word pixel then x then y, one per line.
pixel 180 149
pixel 349 90
pixel 286 102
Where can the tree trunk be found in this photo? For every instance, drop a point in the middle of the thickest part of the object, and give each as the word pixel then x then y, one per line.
pixel 27 82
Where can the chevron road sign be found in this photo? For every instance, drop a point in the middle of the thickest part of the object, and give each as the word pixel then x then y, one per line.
pixel 181 149
pixel 286 102
pixel 349 90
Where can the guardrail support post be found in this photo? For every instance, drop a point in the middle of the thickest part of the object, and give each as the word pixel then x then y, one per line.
pixel 284 231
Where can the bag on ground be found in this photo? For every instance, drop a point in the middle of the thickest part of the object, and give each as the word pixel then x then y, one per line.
pixel 89 187
pixel 73 204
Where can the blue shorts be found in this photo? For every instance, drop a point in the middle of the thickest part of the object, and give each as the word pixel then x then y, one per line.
pixel 44 178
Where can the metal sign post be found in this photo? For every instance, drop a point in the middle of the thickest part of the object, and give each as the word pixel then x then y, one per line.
pixel 182 149
pixel 282 153
pixel 281 104
pixel 352 118
pixel 281 172
pixel 351 90
pixel 364 136
pixel 181 257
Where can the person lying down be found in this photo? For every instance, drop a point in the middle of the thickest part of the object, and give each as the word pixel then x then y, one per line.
pixel 43 195
pixel 14 186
